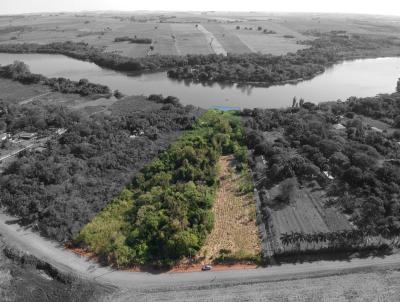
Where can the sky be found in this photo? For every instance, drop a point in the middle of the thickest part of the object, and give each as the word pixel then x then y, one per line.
pixel 383 7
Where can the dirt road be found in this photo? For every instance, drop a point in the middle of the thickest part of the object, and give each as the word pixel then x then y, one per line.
pixel 142 283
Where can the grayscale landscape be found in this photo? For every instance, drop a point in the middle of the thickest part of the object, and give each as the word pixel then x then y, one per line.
pixel 199 156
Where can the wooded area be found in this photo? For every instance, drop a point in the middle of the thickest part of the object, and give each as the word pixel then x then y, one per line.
pixel 19 71
pixel 265 70
pixel 59 189
pixel 165 214
pixel 358 165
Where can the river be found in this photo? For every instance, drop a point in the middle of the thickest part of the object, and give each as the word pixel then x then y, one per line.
pixel 363 77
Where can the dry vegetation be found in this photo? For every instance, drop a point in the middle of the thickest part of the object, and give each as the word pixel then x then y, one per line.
pixel 235 228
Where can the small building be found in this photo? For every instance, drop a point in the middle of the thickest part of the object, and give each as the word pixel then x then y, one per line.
pixel 4 136
pixel 376 129
pixel 26 135
pixel 61 131
pixel 39 149
pixel 338 126
pixel 328 175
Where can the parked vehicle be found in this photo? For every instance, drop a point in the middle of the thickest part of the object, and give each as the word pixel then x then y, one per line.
pixel 206 267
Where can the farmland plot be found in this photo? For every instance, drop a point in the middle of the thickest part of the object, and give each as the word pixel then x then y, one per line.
pixel 163 41
pixel 160 33
pixel 230 42
pixel 212 41
pixel 307 213
pixel 268 44
pixel 189 40
pixel 257 41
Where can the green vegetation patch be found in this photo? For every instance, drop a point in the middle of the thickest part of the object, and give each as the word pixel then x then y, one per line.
pixel 165 214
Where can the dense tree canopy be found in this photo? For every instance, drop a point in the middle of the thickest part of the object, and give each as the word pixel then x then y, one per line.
pixel 165 214
pixel 364 164
pixel 326 50
pixel 60 188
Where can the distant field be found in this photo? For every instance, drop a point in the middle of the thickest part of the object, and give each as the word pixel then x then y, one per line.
pixel 268 44
pixel 228 39
pixel 174 36
pixel 176 33
pixel 257 41
pixel 190 40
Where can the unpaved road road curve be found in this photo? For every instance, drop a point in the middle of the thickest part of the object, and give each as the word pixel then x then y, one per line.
pixel 67 261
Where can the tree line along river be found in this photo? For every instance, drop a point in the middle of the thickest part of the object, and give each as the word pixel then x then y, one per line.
pixel 361 78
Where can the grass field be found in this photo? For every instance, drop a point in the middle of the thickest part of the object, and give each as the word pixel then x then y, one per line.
pixel 228 39
pixel 235 228
pixel 190 40
pixel 275 44
pixel 16 92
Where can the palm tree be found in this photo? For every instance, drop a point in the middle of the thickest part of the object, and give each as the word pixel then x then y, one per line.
pixel 285 239
pixel 309 238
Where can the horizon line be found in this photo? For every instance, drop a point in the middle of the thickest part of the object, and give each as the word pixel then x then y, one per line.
pixel 196 11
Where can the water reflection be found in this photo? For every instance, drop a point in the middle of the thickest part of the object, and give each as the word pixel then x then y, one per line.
pixel 361 78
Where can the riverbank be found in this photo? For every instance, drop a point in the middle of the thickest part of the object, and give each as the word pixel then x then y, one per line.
pixel 341 81
pixel 20 72
pixel 323 51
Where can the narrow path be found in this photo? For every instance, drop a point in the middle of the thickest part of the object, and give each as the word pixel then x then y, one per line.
pixel 16 152
pixel 212 41
pixel 31 99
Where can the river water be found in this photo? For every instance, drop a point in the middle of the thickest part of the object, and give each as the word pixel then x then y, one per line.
pixel 364 77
